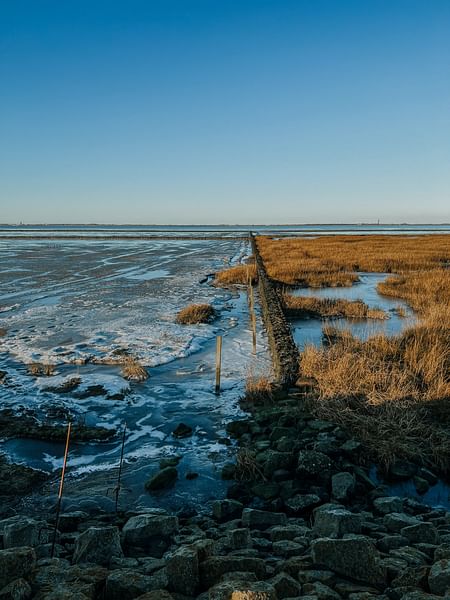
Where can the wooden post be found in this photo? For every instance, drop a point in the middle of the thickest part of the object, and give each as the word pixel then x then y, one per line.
pixel 61 487
pixel 252 302
pixel 120 466
pixel 218 362
pixel 254 331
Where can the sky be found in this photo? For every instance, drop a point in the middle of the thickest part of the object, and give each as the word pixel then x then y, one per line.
pixel 224 111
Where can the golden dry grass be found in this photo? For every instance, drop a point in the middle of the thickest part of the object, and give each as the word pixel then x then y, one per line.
pixel 133 370
pixel 196 313
pixel 258 389
pixel 334 260
pixel 40 369
pixel 240 274
pixel 330 307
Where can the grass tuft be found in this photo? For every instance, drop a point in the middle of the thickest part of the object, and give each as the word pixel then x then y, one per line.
pixel 258 389
pixel 133 370
pixel 240 274
pixel 196 313
pixel 323 308
pixel 40 369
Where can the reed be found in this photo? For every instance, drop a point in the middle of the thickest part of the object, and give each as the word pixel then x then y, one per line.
pixel 240 274
pixel 196 313
pixel 41 369
pixel 323 308
pixel 133 370
pixel 258 389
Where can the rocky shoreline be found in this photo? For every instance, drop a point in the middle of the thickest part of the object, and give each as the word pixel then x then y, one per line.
pixel 302 519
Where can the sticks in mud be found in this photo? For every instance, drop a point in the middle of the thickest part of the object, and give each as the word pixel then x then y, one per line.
pixel 218 362
pixel 117 490
pixel 61 487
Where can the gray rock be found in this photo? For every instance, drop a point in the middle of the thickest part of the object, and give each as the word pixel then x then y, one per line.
pixel 163 479
pixel 142 530
pixel 301 502
pixel 98 545
pixel 356 558
pixel 335 522
pixel 391 542
pixel 288 532
pixel 441 552
pixel 224 510
pixel 342 486
pixel 288 548
pixel 261 519
pixel 258 590
pixel 388 504
pixel 69 521
pixel 183 572
pixel 16 563
pixel 286 586
pixel 16 590
pixel 275 461
pixel 421 533
pixel 439 577
pixel 26 532
pixel 320 591
pixel 212 569
pixel 156 595
pixel 397 521
pixel 402 469
pixel 240 538
pixel 182 431
pixel 312 463
pixel 127 584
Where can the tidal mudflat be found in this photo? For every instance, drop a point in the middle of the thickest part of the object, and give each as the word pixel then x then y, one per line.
pixel 81 307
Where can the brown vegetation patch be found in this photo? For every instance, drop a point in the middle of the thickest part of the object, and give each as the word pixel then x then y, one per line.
pixel 388 390
pixel 133 370
pixel 196 313
pixel 240 274
pixel 334 260
pixel 40 369
pixel 3 332
pixel 301 306
pixel 258 389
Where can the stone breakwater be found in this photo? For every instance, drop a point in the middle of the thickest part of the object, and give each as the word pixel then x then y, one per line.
pixel 281 342
pixel 305 521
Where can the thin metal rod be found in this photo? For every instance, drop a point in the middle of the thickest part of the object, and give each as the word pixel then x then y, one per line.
pixel 61 486
pixel 120 465
pixel 218 362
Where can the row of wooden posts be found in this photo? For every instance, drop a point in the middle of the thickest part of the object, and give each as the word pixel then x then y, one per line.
pixel 251 304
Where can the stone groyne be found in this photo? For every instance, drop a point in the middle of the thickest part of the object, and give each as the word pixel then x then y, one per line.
pixel 281 343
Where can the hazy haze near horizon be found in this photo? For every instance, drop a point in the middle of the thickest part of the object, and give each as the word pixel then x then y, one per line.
pixel 206 111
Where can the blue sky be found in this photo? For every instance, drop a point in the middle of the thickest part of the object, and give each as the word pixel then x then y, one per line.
pixel 223 111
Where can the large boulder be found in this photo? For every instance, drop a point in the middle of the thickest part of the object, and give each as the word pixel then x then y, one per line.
pixel 212 569
pixel 151 532
pixel 261 519
pixel 16 563
pixel 388 504
pixel 26 532
pixel 422 533
pixel 312 463
pixel 356 558
pixel 162 479
pixel 127 584
pixel 336 522
pixel 183 572
pixel 439 577
pixel 98 545
pixel 395 522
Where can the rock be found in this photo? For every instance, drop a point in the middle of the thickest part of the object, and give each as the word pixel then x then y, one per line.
pixel 258 590
pixel 162 480
pixel 388 504
pixel 397 521
pixel 240 538
pixel 182 431
pixel 288 532
pixel 335 522
pixel 317 575
pixel 421 533
pixel 391 542
pixel 288 548
pixel 69 521
pixel 16 590
pixel 190 475
pixel 301 502
pixel 422 486
pixel 26 532
pixel 182 571
pixel 312 463
pixel 412 556
pixel 98 545
pixel 342 486
pixel 442 551
pixel 355 557
pixel 225 510
pixel 261 519
pixel 238 428
pixel 320 591
pixel 411 576
pixel 286 586
pixel 275 461
pixel 16 563
pixel 127 584
pixel 439 577
pixel 212 569
pixel 266 490
pixel 156 595
pixel 419 595
pixel 169 461
pixel 228 471
pixel 402 469
pixel 150 531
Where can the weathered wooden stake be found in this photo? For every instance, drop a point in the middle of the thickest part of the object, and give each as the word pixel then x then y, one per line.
pixel 218 362
pixel 61 486
pixel 117 490
pixel 254 331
